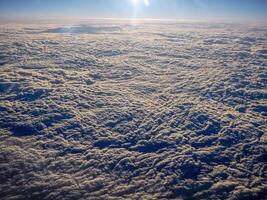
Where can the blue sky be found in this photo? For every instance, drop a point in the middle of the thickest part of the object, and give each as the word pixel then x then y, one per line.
pixel 170 9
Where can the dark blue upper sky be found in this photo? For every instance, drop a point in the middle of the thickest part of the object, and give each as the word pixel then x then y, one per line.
pixel 176 9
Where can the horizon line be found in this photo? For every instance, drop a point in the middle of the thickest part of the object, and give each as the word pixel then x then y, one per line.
pixel 137 19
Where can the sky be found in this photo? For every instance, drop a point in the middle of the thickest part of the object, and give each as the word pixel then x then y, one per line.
pixel 253 10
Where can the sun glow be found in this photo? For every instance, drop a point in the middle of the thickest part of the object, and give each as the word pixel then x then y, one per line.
pixel 137 8
pixel 136 2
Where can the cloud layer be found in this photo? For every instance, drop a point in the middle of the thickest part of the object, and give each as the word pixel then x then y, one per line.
pixel 151 111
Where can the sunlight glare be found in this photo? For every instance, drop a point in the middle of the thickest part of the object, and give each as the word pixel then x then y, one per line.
pixel 136 2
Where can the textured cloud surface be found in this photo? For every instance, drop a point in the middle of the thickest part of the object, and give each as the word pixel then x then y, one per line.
pixel 150 111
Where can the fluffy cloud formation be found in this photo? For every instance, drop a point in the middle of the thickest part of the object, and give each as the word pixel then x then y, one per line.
pixel 151 111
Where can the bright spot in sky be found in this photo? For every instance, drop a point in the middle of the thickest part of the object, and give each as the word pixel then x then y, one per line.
pixel 135 2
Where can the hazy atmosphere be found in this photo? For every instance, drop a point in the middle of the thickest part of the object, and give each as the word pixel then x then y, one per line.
pixel 133 99
pixel 237 10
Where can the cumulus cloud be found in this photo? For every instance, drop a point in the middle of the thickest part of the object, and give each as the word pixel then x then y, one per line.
pixel 151 111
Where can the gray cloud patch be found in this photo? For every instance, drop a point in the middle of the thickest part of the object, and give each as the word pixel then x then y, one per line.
pixel 159 111
pixel 83 29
